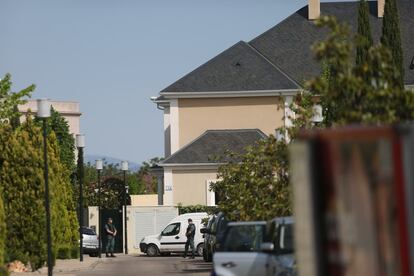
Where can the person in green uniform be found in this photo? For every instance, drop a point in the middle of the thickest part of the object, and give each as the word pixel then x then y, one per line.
pixel 190 233
pixel 110 238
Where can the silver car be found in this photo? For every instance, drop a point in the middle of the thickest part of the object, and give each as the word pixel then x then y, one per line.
pixel 257 248
pixel 90 242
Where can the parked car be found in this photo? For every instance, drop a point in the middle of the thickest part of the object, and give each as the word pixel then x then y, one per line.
pixel 240 251
pixel 257 248
pixel 172 239
pixel 215 234
pixel 207 254
pixel 90 241
pixel 279 247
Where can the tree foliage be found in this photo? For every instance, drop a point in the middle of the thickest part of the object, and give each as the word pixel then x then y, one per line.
pixel 10 100
pixel 391 38
pixel 364 33
pixel 255 185
pixel 22 181
pixel 368 93
pixel 60 126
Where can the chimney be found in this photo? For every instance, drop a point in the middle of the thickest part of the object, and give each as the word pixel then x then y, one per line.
pixel 380 7
pixel 314 9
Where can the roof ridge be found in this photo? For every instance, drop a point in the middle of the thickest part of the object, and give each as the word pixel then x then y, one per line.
pixel 274 65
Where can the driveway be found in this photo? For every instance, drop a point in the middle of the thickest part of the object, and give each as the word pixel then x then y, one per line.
pixel 142 265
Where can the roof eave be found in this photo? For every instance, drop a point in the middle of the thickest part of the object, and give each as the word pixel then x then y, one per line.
pixel 230 94
pixel 191 166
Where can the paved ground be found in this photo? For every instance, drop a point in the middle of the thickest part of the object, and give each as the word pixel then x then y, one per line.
pixel 142 265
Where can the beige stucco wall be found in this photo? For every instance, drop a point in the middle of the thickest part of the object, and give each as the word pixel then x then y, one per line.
pixel 190 186
pixel 198 115
pixel 144 200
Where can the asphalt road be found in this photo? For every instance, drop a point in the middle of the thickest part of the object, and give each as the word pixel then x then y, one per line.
pixel 142 265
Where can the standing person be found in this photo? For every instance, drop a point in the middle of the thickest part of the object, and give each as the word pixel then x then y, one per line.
pixel 190 233
pixel 110 238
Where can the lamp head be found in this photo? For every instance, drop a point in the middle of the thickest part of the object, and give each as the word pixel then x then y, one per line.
pixel 43 108
pixel 99 164
pixel 80 140
pixel 124 165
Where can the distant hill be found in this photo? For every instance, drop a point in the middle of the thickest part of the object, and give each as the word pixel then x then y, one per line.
pixel 90 158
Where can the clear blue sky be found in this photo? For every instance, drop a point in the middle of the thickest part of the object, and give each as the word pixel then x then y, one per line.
pixel 113 55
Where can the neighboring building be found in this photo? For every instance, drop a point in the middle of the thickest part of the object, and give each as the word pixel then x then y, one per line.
pixel 69 110
pixel 250 86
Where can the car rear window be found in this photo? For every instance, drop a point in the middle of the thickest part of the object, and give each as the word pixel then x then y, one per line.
pixel 88 231
pixel 244 238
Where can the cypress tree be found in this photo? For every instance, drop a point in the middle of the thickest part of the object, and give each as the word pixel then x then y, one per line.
pixel 21 178
pixel 364 33
pixel 391 37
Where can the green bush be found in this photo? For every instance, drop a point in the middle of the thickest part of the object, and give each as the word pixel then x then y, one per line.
pixel 4 271
pixel 74 252
pixel 196 209
pixel 64 253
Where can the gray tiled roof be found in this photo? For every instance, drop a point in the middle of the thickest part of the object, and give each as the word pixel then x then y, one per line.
pixel 215 143
pixel 281 57
pixel 239 68
pixel 291 39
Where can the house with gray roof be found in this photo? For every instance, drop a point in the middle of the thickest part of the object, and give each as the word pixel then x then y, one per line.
pixel 250 86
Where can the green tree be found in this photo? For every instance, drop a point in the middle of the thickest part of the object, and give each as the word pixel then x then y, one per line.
pixel 255 185
pixel 355 94
pixel 391 37
pixel 22 182
pixel 10 100
pixel 364 32
pixel 60 126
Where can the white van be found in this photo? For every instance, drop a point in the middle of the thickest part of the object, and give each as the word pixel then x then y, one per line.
pixel 172 239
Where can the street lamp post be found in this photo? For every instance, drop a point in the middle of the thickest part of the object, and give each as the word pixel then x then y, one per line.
pixel 80 144
pixel 43 112
pixel 99 167
pixel 124 168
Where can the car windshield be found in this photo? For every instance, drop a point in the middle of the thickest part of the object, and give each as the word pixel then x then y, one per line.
pixel 88 231
pixel 244 238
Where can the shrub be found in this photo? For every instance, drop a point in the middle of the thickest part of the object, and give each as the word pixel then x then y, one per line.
pixel 196 209
pixel 64 253
pixel 74 252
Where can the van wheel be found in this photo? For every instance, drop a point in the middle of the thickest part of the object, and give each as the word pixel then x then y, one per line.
pixel 200 249
pixel 152 250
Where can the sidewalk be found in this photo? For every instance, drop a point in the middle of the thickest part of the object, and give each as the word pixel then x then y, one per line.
pixel 68 267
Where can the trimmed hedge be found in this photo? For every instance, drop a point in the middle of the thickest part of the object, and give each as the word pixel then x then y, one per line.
pixel 196 209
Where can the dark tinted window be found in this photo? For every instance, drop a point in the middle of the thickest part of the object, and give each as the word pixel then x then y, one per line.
pixel 88 231
pixel 244 238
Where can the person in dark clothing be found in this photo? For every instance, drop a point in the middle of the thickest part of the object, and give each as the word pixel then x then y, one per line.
pixel 190 233
pixel 110 238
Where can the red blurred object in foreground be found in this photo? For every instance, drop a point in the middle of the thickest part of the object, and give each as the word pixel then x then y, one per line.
pixel 354 204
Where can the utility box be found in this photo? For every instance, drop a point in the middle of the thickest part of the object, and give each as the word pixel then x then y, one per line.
pixel 354 201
